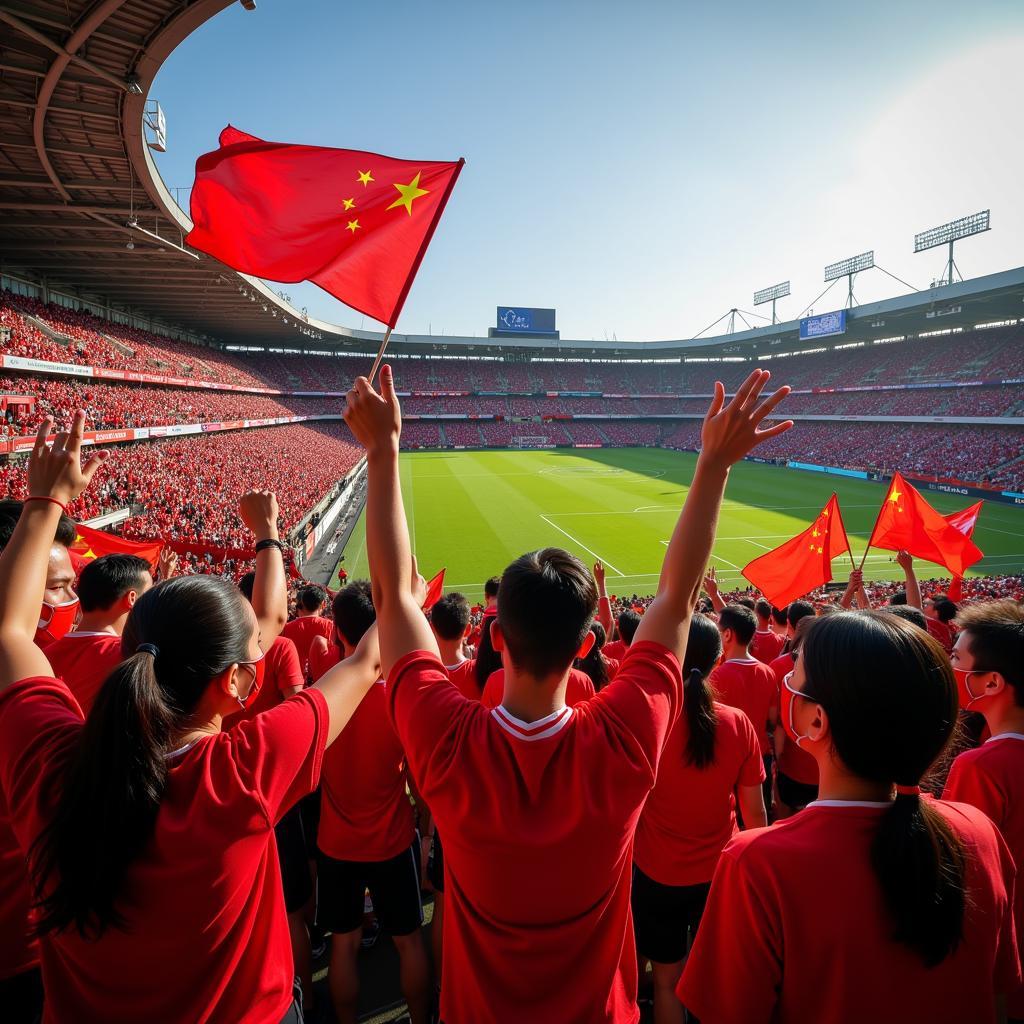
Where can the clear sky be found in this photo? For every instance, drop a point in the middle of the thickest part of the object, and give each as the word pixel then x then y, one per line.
pixel 642 167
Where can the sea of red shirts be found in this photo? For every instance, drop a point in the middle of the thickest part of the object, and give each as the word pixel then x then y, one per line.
pixel 766 645
pixel 747 684
pixel 538 821
pixel 303 630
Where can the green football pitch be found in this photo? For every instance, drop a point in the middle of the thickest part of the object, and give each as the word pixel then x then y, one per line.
pixel 472 512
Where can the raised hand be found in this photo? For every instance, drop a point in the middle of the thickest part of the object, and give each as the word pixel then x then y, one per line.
pixel 57 472
pixel 167 563
pixel 711 581
pixel 259 511
pixel 731 431
pixel 905 560
pixel 599 575
pixel 375 418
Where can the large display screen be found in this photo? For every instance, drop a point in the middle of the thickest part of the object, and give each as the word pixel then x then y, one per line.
pixel 824 325
pixel 526 320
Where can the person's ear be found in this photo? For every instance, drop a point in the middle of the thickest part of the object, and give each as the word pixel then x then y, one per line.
pixel 994 684
pixel 588 643
pixel 497 637
pixel 818 728
pixel 129 599
pixel 227 682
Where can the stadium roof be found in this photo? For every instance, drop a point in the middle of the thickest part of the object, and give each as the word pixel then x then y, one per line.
pixel 78 184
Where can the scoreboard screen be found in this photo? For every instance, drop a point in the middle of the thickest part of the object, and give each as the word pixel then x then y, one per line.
pixel 823 326
pixel 526 320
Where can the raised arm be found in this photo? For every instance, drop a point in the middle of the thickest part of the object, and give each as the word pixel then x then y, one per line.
pixel 55 477
pixel 711 589
pixel 906 562
pixel 376 421
pixel 729 433
pixel 604 606
pixel 258 510
pixel 852 589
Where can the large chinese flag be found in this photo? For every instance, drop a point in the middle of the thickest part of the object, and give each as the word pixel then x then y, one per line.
pixel 91 544
pixel 803 563
pixel 906 521
pixel 356 224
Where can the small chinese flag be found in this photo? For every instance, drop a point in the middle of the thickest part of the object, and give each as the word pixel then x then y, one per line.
pixel 435 591
pixel 356 224
pixel 803 563
pixel 965 521
pixel 906 521
pixel 91 544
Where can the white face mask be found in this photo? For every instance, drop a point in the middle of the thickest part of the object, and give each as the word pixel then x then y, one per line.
pixel 788 699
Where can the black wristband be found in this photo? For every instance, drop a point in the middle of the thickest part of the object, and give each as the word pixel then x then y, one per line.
pixel 263 544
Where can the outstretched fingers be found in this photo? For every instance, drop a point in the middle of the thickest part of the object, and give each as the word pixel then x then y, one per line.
pixel 765 408
pixel 779 428
pixel 717 400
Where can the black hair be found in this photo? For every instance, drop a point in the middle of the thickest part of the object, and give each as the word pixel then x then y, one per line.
pixel 703 649
pixel 628 623
pixel 487 659
pixel 545 606
pixel 353 611
pixel 311 598
pixel 763 609
pixel 247 584
pixel 111 789
pixel 781 615
pixel 740 619
pixel 910 614
pixel 995 640
pixel 104 581
pixel 10 513
pixel 746 602
pixel 899 598
pixel 799 610
pixel 594 664
pixel 855 663
pixel 450 616
pixel 945 610
pixel 491 586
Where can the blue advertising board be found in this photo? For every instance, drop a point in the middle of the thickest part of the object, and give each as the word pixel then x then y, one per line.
pixel 823 326
pixel 526 320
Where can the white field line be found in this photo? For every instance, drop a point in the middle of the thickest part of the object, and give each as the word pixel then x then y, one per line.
pixel 676 509
pixel 582 545
pixel 757 544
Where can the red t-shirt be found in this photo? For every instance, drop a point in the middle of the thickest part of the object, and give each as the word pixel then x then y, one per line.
pixel 796 929
pixel 615 649
pixel 322 659
pixel 991 778
pixel 463 677
pixel 691 812
pixel 303 630
pixel 207 906
pixel 766 645
pixel 279 674
pixel 365 812
pixel 793 762
pixel 578 689
pixel 83 661
pixel 751 687
pixel 943 632
pixel 610 664
pixel 538 823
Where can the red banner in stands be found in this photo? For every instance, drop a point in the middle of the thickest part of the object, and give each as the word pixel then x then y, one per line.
pixel 217 554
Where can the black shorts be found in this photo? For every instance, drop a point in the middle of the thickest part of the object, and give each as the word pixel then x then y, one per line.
pixel 394 888
pixel 435 862
pixel 291 852
pixel 664 916
pixel 795 794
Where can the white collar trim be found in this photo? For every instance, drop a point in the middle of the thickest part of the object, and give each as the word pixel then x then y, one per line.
pixel 750 660
pixel 101 632
pixel 181 750
pixel 848 803
pixel 531 731
pixel 1006 736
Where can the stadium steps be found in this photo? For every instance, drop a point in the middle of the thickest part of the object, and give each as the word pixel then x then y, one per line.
pixel 120 346
pixel 42 326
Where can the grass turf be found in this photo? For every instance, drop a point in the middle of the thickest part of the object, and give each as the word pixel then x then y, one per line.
pixel 474 511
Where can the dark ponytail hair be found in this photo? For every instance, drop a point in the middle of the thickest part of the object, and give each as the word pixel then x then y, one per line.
pixel 703 649
pixel 593 664
pixel 858 663
pixel 113 783
pixel 487 660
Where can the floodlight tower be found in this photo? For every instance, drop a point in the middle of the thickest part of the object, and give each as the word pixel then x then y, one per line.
pixel 849 268
pixel 947 234
pixel 776 291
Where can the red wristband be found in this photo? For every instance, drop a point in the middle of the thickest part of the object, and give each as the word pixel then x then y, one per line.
pixel 52 501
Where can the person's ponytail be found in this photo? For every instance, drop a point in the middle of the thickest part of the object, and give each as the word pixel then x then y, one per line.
pixel 112 788
pixel 921 865
pixel 701 718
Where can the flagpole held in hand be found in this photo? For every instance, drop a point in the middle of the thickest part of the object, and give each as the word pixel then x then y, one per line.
pixel 380 356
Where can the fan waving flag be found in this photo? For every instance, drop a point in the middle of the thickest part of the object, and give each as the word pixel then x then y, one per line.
pixel 803 563
pixel 91 544
pixel 435 591
pixel 906 521
pixel 965 521
pixel 356 224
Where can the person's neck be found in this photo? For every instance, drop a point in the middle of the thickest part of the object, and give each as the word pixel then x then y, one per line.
pixel 1008 717
pixel 301 613
pixel 101 622
pixel 737 652
pixel 450 651
pixel 530 699
pixel 837 782
pixel 764 627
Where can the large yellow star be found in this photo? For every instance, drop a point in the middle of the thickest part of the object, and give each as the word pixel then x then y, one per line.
pixel 365 177
pixel 407 193
pixel 349 203
pixel 353 226
pixel 815 533
pixel 820 550
pixel 895 496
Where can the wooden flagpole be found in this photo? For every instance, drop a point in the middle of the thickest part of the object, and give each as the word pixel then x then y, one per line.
pixel 380 355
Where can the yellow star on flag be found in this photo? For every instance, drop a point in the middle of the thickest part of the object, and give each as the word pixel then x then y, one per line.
pixel 895 496
pixel 353 226
pixel 407 193
pixel 820 550
pixel 824 512
pixel 365 177
pixel 349 203
pixel 815 533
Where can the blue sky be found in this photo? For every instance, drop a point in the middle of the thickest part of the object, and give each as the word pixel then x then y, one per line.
pixel 641 167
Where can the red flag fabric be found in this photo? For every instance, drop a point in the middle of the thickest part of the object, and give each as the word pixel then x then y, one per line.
pixel 965 521
pixel 91 544
pixel 803 563
pixel 906 521
pixel 357 224
pixel 435 591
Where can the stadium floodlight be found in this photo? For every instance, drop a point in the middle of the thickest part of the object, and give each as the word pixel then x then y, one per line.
pixel 848 268
pixel 776 291
pixel 947 234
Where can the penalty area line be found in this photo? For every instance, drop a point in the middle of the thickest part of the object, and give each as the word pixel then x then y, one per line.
pixel 582 545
